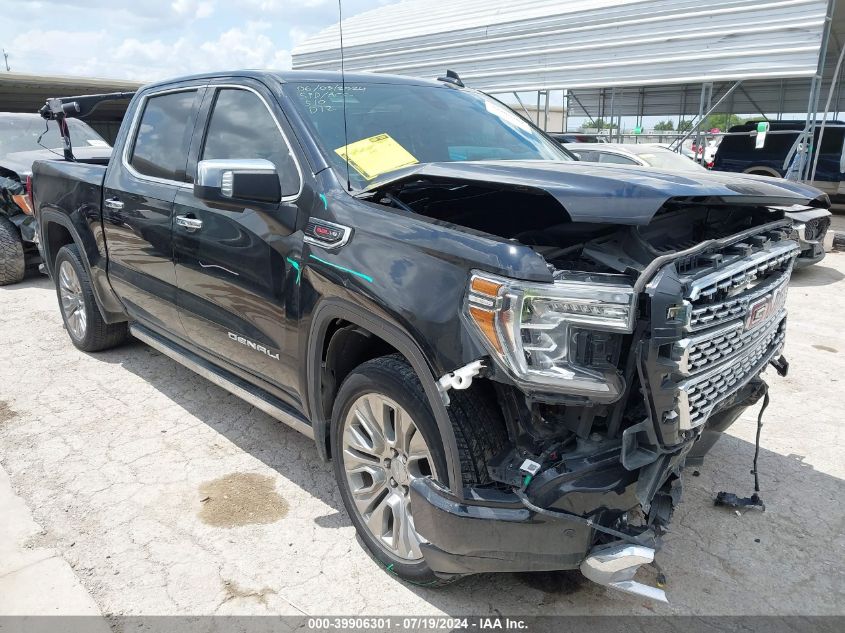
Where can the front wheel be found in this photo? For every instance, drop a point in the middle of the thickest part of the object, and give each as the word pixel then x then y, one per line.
pixel 384 436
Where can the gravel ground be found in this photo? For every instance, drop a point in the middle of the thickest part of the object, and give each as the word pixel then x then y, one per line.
pixel 168 496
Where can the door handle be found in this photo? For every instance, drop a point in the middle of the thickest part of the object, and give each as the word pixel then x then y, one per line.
pixel 191 224
pixel 113 203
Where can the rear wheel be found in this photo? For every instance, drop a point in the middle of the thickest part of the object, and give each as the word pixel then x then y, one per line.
pixel 85 325
pixel 12 261
pixel 384 436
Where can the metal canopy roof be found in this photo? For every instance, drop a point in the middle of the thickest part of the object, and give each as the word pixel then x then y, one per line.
pixel 653 52
pixel 20 92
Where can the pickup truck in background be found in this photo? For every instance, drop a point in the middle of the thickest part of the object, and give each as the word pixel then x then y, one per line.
pixel 25 138
pixel 509 356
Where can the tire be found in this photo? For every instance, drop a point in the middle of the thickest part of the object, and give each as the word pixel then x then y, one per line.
pixel 12 261
pixel 390 380
pixel 760 172
pixel 79 307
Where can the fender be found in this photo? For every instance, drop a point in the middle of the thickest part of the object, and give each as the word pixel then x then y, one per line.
pixel 107 300
pixel 334 308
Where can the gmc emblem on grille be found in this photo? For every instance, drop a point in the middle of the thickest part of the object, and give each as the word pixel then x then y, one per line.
pixel 758 311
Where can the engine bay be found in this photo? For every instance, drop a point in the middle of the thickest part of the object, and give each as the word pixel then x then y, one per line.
pixel 534 218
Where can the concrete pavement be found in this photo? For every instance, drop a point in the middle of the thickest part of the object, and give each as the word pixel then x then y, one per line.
pixel 139 472
pixel 34 579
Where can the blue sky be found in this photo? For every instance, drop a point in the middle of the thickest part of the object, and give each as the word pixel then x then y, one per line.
pixel 154 39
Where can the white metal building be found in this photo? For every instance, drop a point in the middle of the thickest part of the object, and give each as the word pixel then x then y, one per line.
pixel 608 57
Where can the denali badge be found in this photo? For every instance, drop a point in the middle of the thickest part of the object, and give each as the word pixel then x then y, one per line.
pixel 255 346
pixel 758 311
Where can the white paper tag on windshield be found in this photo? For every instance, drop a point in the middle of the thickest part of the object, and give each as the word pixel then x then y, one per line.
pixel 95 142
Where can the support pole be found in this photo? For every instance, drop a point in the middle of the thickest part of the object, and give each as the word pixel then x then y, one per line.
pixel 546 114
pixel 697 124
pixel 813 103
pixel 752 102
pixel 580 105
pixel 524 109
pixel 826 110
pixel 612 106
pixel 564 116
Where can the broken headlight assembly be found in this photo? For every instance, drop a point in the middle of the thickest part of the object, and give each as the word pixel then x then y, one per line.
pixel 565 336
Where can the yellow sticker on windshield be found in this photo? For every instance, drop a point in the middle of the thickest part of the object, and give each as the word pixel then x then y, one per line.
pixel 376 155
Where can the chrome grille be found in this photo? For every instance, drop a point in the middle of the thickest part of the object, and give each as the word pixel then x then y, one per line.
pixel 700 394
pixel 733 319
pixel 719 312
pixel 742 273
pixel 701 352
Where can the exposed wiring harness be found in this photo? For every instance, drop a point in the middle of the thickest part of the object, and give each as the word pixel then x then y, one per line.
pixel 731 500
pixel 530 468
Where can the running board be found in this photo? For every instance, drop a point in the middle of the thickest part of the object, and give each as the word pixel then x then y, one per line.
pixel 255 396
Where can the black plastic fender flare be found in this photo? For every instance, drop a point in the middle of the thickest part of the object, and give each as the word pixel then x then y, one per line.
pixel 108 302
pixel 335 308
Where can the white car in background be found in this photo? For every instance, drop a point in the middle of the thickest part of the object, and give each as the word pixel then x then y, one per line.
pixel 809 224
pixel 644 154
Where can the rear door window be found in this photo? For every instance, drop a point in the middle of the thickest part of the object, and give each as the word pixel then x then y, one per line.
pixel 241 126
pixel 160 149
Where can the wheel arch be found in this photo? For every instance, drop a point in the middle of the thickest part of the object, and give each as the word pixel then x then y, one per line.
pixel 58 230
pixel 366 336
pixel 762 170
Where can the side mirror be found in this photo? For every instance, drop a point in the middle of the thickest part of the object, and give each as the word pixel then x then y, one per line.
pixel 237 180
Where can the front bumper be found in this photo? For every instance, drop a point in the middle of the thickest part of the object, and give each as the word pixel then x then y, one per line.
pixel 490 530
pixel 811 253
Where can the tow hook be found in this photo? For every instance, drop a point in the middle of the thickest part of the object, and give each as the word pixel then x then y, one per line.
pixel 461 378
pixel 614 566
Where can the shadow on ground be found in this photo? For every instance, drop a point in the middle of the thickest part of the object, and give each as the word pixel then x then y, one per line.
pixel 816 275
pixel 780 561
pixel 32 280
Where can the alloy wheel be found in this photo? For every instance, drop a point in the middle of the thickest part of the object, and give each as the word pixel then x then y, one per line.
pixel 73 302
pixel 383 452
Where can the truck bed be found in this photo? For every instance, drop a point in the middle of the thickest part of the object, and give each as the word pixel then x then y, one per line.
pixel 70 187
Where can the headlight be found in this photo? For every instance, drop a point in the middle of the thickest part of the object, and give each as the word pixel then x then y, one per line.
pixel 562 336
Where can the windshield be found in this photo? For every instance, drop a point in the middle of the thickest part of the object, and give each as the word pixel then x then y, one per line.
pixel 666 159
pixel 390 126
pixel 20 134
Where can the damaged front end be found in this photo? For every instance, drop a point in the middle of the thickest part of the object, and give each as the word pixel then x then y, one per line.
pixel 16 205
pixel 646 346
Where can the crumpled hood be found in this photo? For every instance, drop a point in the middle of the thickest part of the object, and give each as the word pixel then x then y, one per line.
pixel 21 162
pixel 617 194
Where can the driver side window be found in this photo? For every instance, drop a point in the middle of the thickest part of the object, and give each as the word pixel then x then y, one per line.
pixel 241 126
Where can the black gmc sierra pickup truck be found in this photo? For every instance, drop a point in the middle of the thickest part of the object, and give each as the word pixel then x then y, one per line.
pixel 509 356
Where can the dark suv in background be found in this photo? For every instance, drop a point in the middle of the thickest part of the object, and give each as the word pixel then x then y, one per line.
pixel 739 154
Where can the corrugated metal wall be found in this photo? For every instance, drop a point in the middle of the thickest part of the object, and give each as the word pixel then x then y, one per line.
pixel 516 45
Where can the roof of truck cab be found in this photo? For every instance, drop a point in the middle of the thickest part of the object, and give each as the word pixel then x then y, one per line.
pixel 292 76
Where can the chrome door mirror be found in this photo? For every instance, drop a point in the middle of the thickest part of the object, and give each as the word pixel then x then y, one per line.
pixel 237 180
